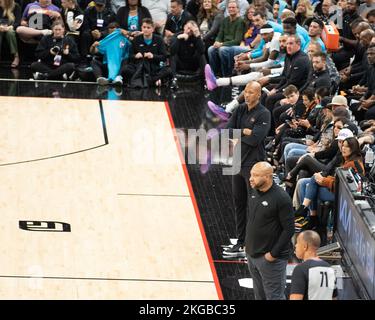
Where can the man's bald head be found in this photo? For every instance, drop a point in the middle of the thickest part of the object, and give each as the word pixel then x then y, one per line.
pixel 253 85
pixel 261 177
pixel 263 167
pixel 366 36
pixel 311 238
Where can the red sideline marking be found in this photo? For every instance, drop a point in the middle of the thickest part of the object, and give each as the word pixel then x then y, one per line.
pixel 194 201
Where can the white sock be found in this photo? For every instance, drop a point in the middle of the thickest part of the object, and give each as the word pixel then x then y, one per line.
pixel 243 79
pixel 232 105
pixel 223 82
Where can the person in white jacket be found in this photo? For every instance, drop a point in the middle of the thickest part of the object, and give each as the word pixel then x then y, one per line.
pixel 159 10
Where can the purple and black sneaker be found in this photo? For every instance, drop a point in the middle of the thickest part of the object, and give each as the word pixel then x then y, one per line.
pixel 218 111
pixel 210 78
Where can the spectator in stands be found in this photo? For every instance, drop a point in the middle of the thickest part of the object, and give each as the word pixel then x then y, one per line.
pixel 230 34
pixel 37 20
pixel 175 20
pixel 357 70
pixel 323 11
pixel 314 48
pixel 193 7
pixel 314 279
pixel 315 31
pixel 209 21
pixel 110 53
pixel 271 53
pixel 95 26
pixel 371 18
pixel 73 19
pixel 304 13
pixel 187 52
pixel 366 7
pixel 290 109
pixel 57 55
pixel 242 7
pixel 295 71
pixel 314 162
pixel 148 49
pixel 10 18
pixel 260 6
pixel 159 10
pixel 348 40
pixel 319 75
pixel 321 185
pixel 130 18
pixel 365 109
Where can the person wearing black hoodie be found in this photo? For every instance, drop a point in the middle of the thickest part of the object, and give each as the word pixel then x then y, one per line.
pixel 269 231
pixel 148 48
pixel 57 54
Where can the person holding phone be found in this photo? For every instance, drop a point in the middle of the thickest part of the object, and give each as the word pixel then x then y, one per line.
pixel 56 54
pixel 73 18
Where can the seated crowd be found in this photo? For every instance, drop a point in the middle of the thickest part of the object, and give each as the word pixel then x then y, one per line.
pixel 322 102
pixel 277 43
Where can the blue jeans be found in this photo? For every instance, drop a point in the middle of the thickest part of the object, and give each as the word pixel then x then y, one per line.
pixel 309 189
pixel 294 149
pixel 227 58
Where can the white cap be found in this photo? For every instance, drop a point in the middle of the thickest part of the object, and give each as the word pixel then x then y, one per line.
pixel 344 133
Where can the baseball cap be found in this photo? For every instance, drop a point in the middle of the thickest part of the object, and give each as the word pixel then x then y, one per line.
pixel 344 133
pixel 339 101
pixel 100 2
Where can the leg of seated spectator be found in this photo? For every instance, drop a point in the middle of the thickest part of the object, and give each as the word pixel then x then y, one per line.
pixel 162 74
pixel 370 113
pixel 12 41
pixel 86 40
pixel 301 189
pixel 291 146
pixel 290 163
pixel 214 60
pixel 56 74
pixel 40 67
pixel 98 68
pixel 226 55
pixel 28 35
pixel 240 80
pixel 299 151
pixel 341 58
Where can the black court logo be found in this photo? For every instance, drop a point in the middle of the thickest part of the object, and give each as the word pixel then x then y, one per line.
pixel 46 226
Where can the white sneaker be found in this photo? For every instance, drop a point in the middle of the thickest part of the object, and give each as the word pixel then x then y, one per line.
pixel 118 81
pixel 46 32
pixel 231 106
pixel 102 81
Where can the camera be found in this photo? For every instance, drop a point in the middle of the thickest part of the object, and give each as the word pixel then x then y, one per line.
pixel 56 49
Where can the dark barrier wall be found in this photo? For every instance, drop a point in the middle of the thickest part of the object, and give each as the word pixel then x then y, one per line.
pixel 355 235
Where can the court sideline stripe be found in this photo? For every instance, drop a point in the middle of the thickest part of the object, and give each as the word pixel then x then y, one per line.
pixel 196 209
pixel 106 279
pixel 103 121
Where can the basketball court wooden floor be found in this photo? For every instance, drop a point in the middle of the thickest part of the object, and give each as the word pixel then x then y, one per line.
pixel 95 204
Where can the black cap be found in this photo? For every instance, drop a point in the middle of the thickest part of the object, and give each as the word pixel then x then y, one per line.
pixel 100 2
pixel 325 103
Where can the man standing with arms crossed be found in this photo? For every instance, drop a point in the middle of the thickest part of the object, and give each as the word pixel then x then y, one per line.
pixel 254 122
pixel 270 228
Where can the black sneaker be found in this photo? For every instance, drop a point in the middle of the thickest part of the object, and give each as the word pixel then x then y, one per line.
pixel 301 224
pixel 238 250
pixel 302 211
